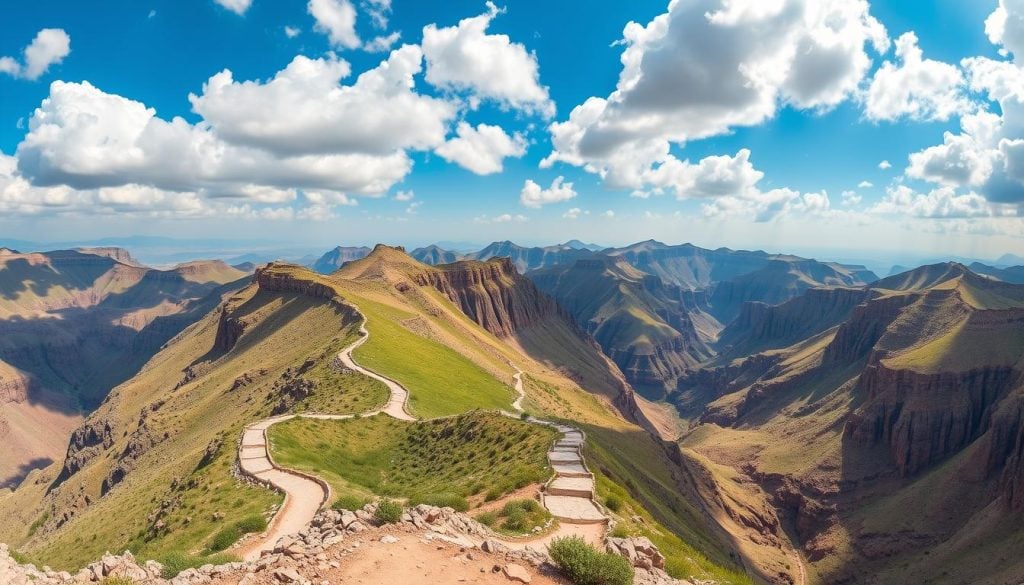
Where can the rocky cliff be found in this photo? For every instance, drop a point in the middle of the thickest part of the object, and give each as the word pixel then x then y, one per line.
pixel 924 418
pixel 337 258
pixel 493 294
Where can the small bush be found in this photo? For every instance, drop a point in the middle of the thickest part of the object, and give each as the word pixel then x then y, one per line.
pixel 177 561
pixel 225 538
pixel 525 506
pixel 585 565
pixel 389 511
pixel 253 523
pixel 488 519
pixel 620 531
pixel 524 416
pixel 613 503
pixel 351 503
pixel 117 581
pixel 515 520
pixel 441 500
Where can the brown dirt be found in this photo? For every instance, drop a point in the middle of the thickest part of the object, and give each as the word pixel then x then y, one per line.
pixel 367 560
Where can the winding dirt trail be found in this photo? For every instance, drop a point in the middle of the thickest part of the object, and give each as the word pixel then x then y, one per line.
pixel 569 495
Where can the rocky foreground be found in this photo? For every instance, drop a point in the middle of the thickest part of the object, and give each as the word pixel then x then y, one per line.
pixel 429 544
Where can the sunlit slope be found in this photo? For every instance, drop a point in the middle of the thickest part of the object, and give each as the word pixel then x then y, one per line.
pixel 153 483
pixel 886 445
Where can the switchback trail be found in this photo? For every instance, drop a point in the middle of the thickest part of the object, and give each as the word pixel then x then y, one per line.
pixel 569 495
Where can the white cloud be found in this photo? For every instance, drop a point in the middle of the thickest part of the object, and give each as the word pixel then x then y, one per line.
pixel 466 58
pixel 49 47
pixel 535 197
pixel 707 66
pixel 714 176
pixel 917 88
pixel 865 185
pixel 503 218
pixel 291 32
pixel 382 43
pixel 304 110
pixel 1005 26
pixel 337 20
pixel 574 213
pixel 609 214
pixel 851 199
pixel 943 202
pixel 237 6
pixel 964 159
pixel 378 11
pixel 482 149
pixel 884 165
pixel 404 196
pixel 413 208
pixel 152 13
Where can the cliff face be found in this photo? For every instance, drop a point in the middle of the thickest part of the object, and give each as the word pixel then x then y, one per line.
pixel 761 326
pixel 337 257
pixel 925 418
pixel 493 294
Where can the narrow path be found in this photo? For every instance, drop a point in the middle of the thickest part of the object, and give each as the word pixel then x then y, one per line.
pixel 569 496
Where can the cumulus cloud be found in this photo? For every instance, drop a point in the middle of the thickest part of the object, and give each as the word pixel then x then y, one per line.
pixel 49 47
pixel 465 58
pixel 865 185
pixel 534 196
pixel 916 88
pixel 885 165
pixel 1005 26
pixel 239 7
pixel 483 149
pixel 337 20
pixel 382 43
pixel 574 213
pixel 713 176
pixel 404 196
pixel 851 198
pixel 304 110
pixel 943 202
pixel 707 66
pixel 291 32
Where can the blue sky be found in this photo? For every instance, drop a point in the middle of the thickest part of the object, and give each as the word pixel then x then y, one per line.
pixel 786 169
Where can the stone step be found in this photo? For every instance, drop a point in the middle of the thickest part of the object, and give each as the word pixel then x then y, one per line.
pixel 580 487
pixel 564 457
pixel 572 510
pixel 570 470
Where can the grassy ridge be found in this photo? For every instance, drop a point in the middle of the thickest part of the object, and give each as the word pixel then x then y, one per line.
pixel 465 455
pixel 440 380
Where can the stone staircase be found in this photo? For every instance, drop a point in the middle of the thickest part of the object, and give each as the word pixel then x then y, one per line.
pixel 570 495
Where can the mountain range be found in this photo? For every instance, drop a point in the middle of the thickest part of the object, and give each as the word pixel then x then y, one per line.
pixel 758 417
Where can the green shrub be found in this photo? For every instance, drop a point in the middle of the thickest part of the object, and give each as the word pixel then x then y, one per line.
pixel 389 511
pixel 177 561
pixel 351 503
pixel 227 536
pixel 252 523
pixel 488 519
pixel 441 500
pixel 515 520
pixel 585 565
pixel 613 503
pixel 117 581
pixel 620 531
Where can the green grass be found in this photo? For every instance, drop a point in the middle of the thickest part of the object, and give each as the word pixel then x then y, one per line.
pixel 464 455
pixel 338 393
pixel 585 565
pixel 229 535
pixel 177 561
pixel 632 470
pixel 388 511
pixel 517 517
pixel 349 502
pixel 440 381
pixel 441 500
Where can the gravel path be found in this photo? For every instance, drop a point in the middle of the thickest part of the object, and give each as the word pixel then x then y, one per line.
pixel 576 510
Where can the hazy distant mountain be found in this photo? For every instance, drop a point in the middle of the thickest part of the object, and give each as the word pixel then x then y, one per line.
pixel 1010 260
pixel 1014 274
pixel 526 259
pixel 434 255
pixel 578 245
pixel 337 258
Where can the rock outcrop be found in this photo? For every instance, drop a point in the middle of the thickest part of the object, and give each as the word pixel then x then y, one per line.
pixel 493 294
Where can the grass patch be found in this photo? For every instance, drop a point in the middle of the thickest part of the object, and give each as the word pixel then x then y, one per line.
pixel 517 517
pixel 585 565
pixel 177 561
pixel 229 535
pixel 341 393
pixel 441 500
pixel 440 380
pixel 389 511
pixel 349 502
pixel 465 455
